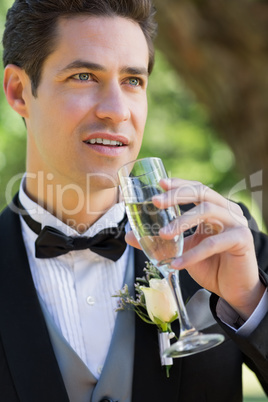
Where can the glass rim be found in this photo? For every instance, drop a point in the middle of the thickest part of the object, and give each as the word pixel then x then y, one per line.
pixel 142 159
pixel 137 161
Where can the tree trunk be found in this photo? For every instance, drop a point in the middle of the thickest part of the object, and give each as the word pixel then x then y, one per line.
pixel 220 49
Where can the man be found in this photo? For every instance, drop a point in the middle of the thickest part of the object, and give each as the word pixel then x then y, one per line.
pixel 77 72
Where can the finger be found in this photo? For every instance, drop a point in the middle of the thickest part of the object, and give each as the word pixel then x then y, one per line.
pixel 211 227
pixel 237 241
pixel 131 240
pixel 180 191
pixel 210 217
pixel 185 192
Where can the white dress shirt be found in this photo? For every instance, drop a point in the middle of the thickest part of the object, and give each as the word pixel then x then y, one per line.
pixel 229 316
pixel 77 287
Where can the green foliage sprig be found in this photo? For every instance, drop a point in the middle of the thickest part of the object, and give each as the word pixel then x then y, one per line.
pixel 128 302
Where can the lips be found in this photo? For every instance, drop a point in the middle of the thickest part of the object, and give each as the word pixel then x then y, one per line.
pixel 106 144
pixel 110 140
pixel 104 141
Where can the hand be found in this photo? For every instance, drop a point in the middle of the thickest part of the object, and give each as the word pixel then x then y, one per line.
pixel 220 255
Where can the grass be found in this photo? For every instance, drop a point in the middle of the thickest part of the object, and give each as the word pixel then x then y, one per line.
pixel 251 387
pixel 255 399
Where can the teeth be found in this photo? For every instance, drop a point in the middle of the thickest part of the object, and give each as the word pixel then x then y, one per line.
pixel 104 141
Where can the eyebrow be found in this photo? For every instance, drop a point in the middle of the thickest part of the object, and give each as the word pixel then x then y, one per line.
pixel 79 64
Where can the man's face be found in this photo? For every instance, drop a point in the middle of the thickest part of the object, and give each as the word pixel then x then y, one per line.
pixel 89 114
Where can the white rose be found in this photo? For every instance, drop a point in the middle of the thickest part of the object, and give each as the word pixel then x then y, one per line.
pixel 160 302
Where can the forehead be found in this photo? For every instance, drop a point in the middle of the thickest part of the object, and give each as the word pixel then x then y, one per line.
pixel 104 39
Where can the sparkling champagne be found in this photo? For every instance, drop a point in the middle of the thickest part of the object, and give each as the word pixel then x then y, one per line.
pixel 139 181
pixel 146 220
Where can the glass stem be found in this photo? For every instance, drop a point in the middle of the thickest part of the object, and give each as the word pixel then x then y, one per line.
pixel 186 328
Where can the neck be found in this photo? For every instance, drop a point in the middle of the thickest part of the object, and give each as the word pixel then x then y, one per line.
pixel 77 206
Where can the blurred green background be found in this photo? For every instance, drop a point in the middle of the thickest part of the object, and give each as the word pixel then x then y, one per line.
pixel 178 130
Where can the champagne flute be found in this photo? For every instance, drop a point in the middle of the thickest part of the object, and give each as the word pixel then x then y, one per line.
pixel 139 182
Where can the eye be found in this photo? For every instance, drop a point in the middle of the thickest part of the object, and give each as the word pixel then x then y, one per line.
pixel 82 76
pixel 134 81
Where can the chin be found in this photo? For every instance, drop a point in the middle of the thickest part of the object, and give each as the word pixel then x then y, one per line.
pixel 102 181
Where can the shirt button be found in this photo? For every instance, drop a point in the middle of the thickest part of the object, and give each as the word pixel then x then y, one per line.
pixel 99 370
pixel 90 301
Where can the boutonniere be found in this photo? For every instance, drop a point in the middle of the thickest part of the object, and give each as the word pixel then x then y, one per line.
pixel 154 304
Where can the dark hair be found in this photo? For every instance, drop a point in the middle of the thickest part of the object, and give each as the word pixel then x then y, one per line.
pixel 31 28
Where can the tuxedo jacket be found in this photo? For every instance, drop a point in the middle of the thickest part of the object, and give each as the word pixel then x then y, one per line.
pixel 29 371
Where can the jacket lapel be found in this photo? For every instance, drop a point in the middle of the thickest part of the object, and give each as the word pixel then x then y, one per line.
pixel 23 330
pixel 27 344
pixel 150 382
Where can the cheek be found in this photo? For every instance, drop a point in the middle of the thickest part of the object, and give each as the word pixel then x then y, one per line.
pixel 67 107
pixel 140 116
pixel 69 111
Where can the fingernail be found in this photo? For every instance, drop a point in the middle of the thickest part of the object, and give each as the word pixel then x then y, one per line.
pixel 163 231
pixel 160 195
pixel 166 180
pixel 177 263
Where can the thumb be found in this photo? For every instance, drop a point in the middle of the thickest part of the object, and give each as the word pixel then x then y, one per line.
pixel 131 240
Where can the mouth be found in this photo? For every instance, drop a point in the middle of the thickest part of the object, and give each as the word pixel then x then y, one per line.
pixel 107 139
pixel 104 141
pixel 105 144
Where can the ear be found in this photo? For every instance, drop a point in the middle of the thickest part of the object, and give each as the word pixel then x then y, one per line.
pixel 16 82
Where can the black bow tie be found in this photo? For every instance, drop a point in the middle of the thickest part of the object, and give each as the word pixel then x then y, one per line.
pixel 109 243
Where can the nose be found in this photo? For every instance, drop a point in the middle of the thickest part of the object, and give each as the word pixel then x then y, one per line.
pixel 113 104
